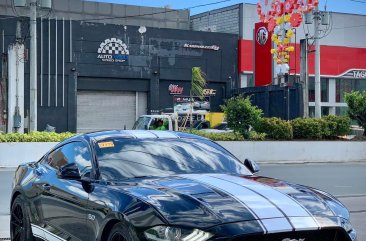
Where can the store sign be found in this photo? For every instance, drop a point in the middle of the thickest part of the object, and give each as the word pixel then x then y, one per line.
pixel 113 50
pixel 209 92
pixel 262 35
pixel 196 46
pixel 355 74
pixel 175 89
pixel 263 56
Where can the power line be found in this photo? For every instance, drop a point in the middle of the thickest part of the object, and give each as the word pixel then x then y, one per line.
pixel 208 4
pixel 358 1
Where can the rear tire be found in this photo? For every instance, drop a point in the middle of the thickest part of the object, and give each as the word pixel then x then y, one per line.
pixel 20 228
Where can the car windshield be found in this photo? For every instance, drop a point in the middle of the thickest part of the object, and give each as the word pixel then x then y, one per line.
pixel 141 123
pixel 126 158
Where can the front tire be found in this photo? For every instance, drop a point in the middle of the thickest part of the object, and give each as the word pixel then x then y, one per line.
pixel 119 233
pixel 20 228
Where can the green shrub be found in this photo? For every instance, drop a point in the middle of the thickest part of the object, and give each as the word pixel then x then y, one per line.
pixel 308 128
pixel 228 136
pixel 275 128
pixel 356 102
pixel 35 137
pixel 255 136
pixel 337 126
pixel 241 114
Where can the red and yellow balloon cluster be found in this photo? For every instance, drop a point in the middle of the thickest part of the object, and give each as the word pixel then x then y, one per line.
pixel 282 17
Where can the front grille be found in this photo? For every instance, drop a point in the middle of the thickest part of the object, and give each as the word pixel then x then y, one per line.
pixel 317 235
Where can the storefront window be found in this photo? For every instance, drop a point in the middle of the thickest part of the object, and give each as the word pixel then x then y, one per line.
pixel 325 111
pixel 324 89
pixel 247 80
pixel 341 111
pixel 344 86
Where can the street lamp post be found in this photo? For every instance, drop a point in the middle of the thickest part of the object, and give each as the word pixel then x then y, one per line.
pixel 33 66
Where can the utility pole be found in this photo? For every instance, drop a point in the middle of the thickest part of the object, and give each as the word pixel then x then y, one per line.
pixel 33 66
pixel 317 18
pixel 304 76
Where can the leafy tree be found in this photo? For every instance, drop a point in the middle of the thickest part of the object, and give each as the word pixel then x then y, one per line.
pixel 356 102
pixel 241 114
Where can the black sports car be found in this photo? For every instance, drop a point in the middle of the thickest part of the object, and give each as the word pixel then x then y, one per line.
pixel 163 186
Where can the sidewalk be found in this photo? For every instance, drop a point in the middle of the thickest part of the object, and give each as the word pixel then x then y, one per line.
pixel 4 226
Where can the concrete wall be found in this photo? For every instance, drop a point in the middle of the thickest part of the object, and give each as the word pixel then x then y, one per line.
pixel 112 13
pixel 298 151
pixel 13 154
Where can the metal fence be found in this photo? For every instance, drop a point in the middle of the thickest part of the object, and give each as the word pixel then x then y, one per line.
pixel 276 101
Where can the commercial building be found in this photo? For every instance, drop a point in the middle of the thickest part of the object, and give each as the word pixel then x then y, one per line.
pixel 107 13
pixel 94 76
pixel 343 51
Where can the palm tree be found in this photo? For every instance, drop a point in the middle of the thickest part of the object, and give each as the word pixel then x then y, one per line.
pixel 198 84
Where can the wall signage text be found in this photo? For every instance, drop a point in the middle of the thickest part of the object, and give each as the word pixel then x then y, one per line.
pixel 196 46
pixel 209 92
pixel 355 74
pixel 113 50
pixel 175 89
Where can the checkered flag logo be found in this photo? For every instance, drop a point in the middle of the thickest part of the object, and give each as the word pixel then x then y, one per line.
pixel 113 46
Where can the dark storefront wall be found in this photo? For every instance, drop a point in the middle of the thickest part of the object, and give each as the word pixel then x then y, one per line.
pixel 155 57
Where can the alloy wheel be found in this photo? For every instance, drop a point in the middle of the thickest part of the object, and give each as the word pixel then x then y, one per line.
pixel 118 237
pixel 17 223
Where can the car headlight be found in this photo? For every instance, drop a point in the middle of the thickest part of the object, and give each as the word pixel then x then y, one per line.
pixel 166 233
pixel 346 225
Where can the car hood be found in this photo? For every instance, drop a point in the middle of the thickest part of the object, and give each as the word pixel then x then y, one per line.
pixel 206 200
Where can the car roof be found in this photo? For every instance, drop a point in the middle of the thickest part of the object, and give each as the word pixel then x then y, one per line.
pixel 156 116
pixel 139 134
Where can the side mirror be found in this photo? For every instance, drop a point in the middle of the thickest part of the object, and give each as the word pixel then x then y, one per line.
pixel 251 165
pixel 69 171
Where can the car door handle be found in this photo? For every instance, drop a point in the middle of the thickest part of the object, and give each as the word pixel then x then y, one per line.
pixel 46 187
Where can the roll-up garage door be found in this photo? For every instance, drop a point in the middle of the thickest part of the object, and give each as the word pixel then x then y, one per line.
pixel 109 110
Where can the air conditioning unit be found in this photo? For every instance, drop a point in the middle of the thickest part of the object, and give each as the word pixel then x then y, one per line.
pixel 46 4
pixel 20 3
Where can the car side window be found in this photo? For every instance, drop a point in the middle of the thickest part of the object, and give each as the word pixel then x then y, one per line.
pixel 75 152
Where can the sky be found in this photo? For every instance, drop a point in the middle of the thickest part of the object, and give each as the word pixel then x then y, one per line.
pixel 344 6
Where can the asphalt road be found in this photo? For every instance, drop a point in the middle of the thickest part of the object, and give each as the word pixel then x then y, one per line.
pixel 345 181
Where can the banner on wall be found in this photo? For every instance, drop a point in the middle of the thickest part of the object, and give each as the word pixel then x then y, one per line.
pixel 182 104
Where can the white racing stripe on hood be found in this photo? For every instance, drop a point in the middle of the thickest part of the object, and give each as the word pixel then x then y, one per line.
pixel 261 207
pixel 300 219
pixel 271 219
pixel 265 202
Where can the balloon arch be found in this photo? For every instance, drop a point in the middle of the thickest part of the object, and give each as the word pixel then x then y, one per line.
pixel 282 17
